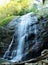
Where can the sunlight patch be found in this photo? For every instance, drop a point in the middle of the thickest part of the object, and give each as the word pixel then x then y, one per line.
pixel 3 2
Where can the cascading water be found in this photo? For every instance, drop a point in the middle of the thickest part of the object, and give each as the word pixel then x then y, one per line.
pixel 22 33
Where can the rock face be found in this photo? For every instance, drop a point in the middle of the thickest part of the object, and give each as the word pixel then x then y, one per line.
pixel 5 39
pixel 30 37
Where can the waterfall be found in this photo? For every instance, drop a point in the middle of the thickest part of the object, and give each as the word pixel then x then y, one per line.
pixel 23 30
pixel 19 55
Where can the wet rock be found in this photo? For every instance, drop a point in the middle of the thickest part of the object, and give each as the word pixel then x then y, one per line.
pixel 30 37
pixel 5 39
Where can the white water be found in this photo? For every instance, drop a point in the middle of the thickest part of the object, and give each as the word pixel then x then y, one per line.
pixel 22 30
pixel 24 22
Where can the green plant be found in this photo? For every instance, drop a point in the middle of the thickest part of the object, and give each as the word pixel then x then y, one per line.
pixel 6 20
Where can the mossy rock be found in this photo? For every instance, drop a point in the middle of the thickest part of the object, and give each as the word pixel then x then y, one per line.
pixel 6 20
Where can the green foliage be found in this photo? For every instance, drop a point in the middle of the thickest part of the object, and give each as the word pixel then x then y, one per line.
pixel 15 8
pixel 6 20
pixel 34 8
pixel 18 7
pixel 43 12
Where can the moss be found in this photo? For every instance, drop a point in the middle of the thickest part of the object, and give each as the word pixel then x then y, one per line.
pixel 6 20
